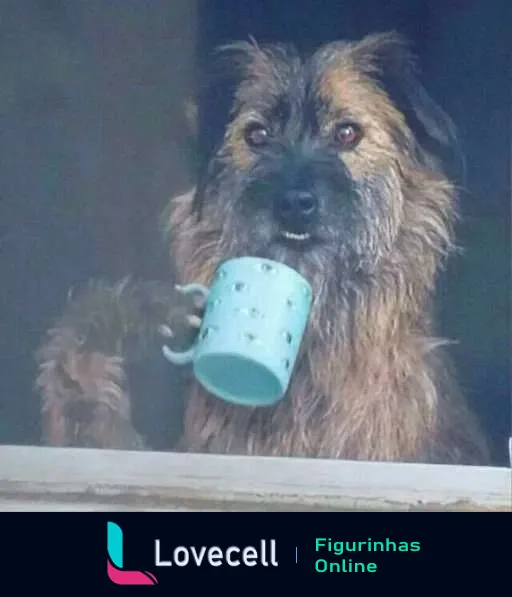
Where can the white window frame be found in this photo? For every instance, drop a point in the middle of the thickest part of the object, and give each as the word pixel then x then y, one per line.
pixel 36 478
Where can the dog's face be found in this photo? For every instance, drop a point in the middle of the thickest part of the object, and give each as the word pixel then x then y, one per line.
pixel 327 164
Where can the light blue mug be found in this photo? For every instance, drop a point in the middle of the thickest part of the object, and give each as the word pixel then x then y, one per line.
pixel 255 317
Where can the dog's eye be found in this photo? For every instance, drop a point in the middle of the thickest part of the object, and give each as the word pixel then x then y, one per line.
pixel 256 135
pixel 348 134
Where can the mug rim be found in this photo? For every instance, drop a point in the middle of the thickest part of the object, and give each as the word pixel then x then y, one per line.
pixel 270 261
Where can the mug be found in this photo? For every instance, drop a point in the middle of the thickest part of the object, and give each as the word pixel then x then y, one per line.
pixel 254 320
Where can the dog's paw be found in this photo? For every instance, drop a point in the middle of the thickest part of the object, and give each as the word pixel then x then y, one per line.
pixel 184 319
pixel 73 380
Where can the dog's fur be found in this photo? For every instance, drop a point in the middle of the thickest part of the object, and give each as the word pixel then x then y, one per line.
pixel 372 380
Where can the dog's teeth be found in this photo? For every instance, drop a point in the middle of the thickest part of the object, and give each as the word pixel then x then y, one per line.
pixel 294 236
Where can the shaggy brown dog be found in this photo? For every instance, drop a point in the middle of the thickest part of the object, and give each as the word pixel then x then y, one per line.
pixel 330 164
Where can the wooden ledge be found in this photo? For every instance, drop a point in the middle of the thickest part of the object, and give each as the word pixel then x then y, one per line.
pixel 65 479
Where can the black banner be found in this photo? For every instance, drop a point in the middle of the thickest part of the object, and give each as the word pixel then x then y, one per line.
pixel 236 552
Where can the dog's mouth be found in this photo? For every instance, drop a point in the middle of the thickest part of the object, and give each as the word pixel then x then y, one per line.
pixel 295 236
pixel 296 241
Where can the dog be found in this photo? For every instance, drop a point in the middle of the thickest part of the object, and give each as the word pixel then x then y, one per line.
pixel 335 164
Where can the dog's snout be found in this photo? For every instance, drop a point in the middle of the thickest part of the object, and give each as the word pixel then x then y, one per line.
pixel 296 205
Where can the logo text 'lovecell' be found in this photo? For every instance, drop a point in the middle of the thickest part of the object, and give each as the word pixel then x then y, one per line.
pixel 263 555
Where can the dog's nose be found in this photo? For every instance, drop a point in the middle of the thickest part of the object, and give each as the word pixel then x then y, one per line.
pixel 295 205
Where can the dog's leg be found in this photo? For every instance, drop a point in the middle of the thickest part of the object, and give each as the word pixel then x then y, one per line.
pixel 82 364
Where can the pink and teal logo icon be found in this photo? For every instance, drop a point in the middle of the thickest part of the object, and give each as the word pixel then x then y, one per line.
pixel 115 569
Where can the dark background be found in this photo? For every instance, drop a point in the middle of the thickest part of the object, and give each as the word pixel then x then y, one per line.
pixel 91 148
pixel 80 543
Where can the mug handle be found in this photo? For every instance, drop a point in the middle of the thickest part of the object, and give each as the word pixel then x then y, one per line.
pixel 185 357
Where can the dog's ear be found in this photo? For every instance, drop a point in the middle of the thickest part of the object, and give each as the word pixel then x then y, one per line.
pixel 388 58
pixel 241 60
pixel 221 74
